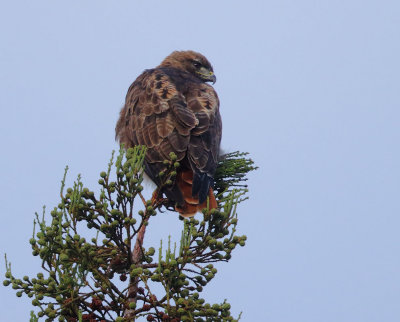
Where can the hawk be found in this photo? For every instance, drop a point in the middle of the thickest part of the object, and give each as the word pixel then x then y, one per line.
pixel 171 108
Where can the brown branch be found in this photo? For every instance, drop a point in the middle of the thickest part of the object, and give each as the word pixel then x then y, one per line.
pixel 134 281
pixel 142 198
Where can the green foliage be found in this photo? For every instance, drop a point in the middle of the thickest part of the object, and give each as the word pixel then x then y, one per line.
pixel 231 173
pixel 111 277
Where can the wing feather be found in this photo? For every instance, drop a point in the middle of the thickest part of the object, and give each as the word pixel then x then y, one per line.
pixel 203 123
pixel 206 136
pixel 183 114
pixel 178 142
pixel 173 112
pixel 165 124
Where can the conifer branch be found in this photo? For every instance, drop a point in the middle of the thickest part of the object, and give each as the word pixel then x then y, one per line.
pixel 109 277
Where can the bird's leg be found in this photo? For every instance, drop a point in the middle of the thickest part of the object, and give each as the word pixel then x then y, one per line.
pixel 157 199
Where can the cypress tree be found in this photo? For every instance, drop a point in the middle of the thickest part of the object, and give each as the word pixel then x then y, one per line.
pixel 112 277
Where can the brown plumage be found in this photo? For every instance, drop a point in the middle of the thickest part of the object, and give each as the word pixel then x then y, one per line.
pixel 171 108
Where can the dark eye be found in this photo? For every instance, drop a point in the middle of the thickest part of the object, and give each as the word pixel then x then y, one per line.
pixel 196 64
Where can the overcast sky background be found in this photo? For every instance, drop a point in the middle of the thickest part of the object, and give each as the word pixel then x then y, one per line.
pixel 310 88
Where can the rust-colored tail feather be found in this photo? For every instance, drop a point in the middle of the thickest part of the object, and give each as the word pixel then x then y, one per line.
pixel 191 204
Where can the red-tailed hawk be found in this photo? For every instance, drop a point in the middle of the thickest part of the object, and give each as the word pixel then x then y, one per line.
pixel 171 108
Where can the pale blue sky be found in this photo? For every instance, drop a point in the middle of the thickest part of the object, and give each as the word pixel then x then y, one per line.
pixel 310 88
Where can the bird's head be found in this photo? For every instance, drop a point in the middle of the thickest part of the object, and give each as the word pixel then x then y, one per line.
pixel 191 62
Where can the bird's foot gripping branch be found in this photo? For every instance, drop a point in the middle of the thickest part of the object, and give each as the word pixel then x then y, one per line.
pixel 94 265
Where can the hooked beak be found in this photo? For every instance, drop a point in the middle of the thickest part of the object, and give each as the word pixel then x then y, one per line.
pixel 212 78
pixel 207 75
